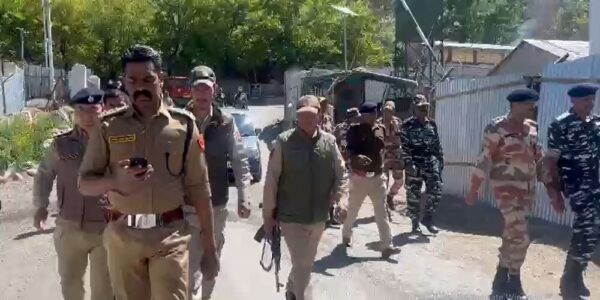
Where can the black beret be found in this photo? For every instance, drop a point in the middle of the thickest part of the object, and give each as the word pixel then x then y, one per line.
pixel 90 95
pixel 366 108
pixel 582 90
pixel 523 95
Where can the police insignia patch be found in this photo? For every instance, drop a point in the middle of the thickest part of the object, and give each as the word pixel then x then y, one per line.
pixel 121 139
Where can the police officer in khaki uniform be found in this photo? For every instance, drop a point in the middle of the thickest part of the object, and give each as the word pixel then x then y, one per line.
pixel 303 159
pixel 392 153
pixel 150 160
pixel 80 222
pixel 223 143
pixel 114 96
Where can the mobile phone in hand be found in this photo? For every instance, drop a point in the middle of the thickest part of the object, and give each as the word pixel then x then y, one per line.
pixel 138 162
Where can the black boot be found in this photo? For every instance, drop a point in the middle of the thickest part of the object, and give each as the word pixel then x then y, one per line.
pixel 416 228
pixel 515 287
pixel 332 220
pixel 571 282
pixel 499 285
pixel 428 223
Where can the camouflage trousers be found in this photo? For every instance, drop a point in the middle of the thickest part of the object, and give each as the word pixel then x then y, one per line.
pixel 585 203
pixel 514 199
pixel 430 174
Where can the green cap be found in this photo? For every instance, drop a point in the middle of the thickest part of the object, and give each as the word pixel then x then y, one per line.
pixel 202 73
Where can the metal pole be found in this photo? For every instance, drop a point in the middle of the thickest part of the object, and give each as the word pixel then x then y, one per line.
pixel 50 54
pixel 345 46
pixel 45 33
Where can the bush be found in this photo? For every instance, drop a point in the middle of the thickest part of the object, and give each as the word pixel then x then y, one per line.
pixel 24 142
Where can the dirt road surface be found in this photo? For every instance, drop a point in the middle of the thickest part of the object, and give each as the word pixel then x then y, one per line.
pixel 458 263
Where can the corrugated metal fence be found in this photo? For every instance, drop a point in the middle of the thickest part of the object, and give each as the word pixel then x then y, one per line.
pixel 465 107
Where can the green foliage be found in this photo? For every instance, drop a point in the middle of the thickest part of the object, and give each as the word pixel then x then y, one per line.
pixel 571 21
pixel 23 142
pixel 482 21
pixel 234 36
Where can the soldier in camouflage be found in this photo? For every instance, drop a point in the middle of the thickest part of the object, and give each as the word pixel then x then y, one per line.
pixel 341 130
pixel 573 165
pixel 511 154
pixel 392 152
pixel 325 117
pixel 423 161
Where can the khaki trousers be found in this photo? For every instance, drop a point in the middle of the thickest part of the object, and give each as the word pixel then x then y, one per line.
pixel 375 188
pixel 149 264
pixel 74 247
pixel 302 241
pixel 202 289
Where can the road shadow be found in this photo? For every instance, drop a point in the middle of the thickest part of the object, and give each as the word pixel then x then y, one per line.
pixel 339 259
pixel 29 234
pixel 454 215
pixel 410 238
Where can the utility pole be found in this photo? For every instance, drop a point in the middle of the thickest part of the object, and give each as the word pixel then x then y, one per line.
pixel 22 35
pixel 45 33
pixel 48 21
pixel 345 13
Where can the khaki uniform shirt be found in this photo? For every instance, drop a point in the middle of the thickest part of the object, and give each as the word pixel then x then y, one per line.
pixel 122 134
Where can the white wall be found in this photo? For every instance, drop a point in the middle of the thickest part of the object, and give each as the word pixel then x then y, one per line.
pixel 594 23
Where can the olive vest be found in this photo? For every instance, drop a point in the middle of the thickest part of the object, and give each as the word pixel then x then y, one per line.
pixel 217 137
pixel 307 177
pixel 73 206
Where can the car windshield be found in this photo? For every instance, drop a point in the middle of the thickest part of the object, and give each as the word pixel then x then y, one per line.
pixel 244 125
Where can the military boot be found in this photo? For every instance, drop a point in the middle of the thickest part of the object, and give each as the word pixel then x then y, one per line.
pixel 416 228
pixel 515 287
pixel 499 285
pixel 571 282
pixel 428 223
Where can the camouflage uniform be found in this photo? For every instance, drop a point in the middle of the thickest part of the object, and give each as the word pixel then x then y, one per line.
pixel 392 152
pixel 422 150
pixel 511 155
pixel 340 132
pixel 326 123
pixel 576 144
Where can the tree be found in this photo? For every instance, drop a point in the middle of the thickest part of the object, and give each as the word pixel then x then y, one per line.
pixel 482 21
pixel 571 21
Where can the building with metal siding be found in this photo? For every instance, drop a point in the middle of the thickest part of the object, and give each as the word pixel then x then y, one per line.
pixel 464 107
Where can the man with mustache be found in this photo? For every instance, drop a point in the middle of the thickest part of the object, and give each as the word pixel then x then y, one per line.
pixel 223 143
pixel 150 160
pixel 80 222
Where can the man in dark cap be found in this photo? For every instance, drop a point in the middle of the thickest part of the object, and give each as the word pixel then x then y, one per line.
pixel 114 96
pixel 365 152
pixel 80 221
pixel 510 154
pixel 223 143
pixel 572 166
pixel 423 162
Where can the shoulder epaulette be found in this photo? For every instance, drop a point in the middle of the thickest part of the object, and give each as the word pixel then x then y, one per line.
pixel 114 112
pixel 181 112
pixel 531 122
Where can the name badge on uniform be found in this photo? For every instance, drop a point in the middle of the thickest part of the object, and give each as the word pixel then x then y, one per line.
pixel 121 139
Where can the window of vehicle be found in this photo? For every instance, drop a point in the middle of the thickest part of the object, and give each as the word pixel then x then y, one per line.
pixel 244 125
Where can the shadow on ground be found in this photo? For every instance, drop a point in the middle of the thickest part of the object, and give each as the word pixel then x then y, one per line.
pixel 29 234
pixel 454 215
pixel 339 259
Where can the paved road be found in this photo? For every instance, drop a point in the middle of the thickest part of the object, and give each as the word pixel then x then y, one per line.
pixel 457 264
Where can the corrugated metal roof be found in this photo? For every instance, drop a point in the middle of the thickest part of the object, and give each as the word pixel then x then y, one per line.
pixel 575 49
pixel 474 46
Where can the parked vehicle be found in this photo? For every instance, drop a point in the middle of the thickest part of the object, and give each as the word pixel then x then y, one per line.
pixel 179 90
pixel 249 134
